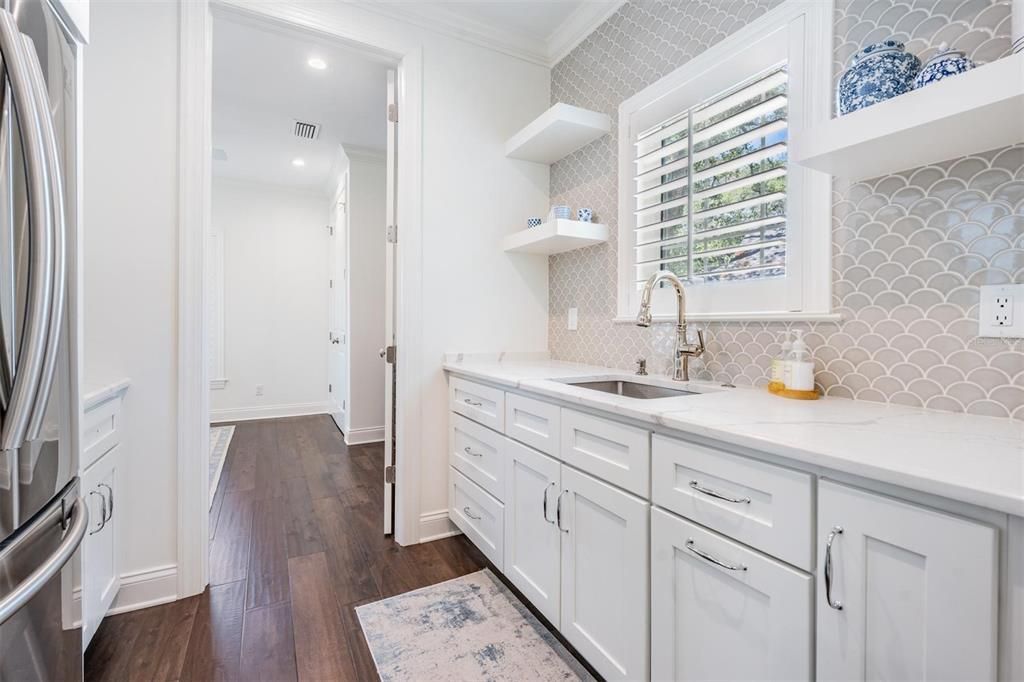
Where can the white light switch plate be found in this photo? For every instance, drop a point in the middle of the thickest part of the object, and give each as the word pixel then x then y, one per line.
pixel 573 319
pixel 1001 311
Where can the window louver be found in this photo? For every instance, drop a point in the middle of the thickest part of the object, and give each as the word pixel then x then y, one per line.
pixel 711 187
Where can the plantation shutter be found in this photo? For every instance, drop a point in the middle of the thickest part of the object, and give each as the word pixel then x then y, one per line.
pixel 711 187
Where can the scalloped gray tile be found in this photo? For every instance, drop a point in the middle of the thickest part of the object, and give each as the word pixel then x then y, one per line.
pixel 908 249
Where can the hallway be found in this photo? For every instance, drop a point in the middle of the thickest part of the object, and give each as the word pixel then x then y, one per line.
pixel 296 543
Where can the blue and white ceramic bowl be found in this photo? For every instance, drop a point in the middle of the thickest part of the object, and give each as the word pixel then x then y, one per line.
pixel 584 215
pixel 879 72
pixel 946 63
pixel 533 222
pixel 561 212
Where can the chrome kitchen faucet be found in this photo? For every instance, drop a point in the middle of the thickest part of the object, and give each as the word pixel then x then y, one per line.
pixel 683 350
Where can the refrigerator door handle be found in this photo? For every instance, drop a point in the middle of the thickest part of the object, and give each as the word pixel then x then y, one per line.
pixel 27 588
pixel 31 356
pixel 56 186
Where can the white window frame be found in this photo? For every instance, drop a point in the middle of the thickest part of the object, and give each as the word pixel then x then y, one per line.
pixel 799 33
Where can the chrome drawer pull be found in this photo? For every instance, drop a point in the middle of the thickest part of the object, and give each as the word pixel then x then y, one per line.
pixel 472 403
pixel 471 453
pixel 545 505
pixel 558 512
pixel 714 493
pixel 837 605
pixel 465 510
pixel 716 561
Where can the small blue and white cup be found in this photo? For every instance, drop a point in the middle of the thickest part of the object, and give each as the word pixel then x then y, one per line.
pixel 562 212
pixel 584 215
pixel 533 222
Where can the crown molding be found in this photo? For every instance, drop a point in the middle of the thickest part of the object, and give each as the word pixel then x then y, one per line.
pixel 546 51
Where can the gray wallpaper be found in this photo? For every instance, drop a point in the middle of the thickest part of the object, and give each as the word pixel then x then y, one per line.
pixel 909 250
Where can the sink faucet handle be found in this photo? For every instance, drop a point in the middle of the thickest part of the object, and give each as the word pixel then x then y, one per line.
pixel 641 367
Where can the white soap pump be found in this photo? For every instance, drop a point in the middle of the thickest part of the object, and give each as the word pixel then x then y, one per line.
pixel 778 381
pixel 798 370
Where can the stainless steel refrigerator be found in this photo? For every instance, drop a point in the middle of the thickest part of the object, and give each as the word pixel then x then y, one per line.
pixel 42 518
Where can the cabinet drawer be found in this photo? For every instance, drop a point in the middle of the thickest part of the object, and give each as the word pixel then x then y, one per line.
pixel 476 452
pixel 480 403
pixel 765 506
pixel 532 422
pixel 720 610
pixel 615 452
pixel 478 515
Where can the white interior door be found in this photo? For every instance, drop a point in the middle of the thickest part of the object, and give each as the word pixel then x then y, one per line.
pixel 391 249
pixel 337 336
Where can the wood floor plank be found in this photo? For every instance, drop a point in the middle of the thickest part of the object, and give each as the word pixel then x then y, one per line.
pixel 362 659
pixel 229 551
pixel 108 657
pixel 214 649
pixel 346 556
pixel 267 581
pixel 321 649
pixel 159 649
pixel 301 530
pixel 268 644
pixel 244 446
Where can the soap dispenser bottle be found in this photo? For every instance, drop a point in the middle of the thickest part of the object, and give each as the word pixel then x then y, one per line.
pixel 798 372
pixel 777 381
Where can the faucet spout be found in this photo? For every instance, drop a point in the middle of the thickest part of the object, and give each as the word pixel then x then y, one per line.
pixel 683 349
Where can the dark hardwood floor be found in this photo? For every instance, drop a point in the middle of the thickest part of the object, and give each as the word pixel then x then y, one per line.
pixel 297 542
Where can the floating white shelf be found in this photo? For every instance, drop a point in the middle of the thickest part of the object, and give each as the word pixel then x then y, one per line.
pixel 556 133
pixel 973 112
pixel 556 236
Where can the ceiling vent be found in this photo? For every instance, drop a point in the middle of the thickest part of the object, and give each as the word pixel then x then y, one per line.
pixel 306 130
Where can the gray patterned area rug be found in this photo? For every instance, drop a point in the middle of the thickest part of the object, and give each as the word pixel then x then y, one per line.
pixel 220 439
pixel 469 628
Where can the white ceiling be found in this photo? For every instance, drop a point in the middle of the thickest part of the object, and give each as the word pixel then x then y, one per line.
pixel 541 31
pixel 262 82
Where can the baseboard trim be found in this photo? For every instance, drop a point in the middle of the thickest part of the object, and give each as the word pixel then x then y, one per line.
pixel 242 414
pixel 372 434
pixel 436 525
pixel 142 589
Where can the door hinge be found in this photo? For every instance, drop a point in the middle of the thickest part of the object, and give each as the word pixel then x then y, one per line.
pixel 330 388
pixel 389 355
pixel 392 234
pixel 389 473
pixel 392 113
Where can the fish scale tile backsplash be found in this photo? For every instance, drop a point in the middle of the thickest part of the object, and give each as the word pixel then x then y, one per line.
pixel 909 250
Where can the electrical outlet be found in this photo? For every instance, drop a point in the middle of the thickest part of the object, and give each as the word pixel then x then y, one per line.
pixel 1001 311
pixel 259 389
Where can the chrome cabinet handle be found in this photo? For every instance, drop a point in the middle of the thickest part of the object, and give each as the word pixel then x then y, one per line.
pixel 30 586
pixel 472 403
pixel 829 574
pixel 101 524
pixel 717 495
pixel 110 501
pixel 558 512
pixel 471 453
pixel 465 510
pixel 545 506
pixel 57 226
pixel 23 400
pixel 711 558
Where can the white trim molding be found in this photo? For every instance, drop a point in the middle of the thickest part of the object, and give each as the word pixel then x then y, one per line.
pixel 194 139
pixel 218 384
pixel 142 589
pixel 241 414
pixel 371 434
pixel 436 525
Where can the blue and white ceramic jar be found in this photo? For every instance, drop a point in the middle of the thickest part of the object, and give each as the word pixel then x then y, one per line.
pixel 533 222
pixel 879 72
pixel 584 215
pixel 946 63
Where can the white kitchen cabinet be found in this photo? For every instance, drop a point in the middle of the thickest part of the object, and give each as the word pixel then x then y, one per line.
pixel 720 610
pixel 532 538
pixel 604 575
pixel 477 514
pixel 904 592
pixel 101 575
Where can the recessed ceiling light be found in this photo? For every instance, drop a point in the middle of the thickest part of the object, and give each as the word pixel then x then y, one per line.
pixel 317 63
pixel 298 163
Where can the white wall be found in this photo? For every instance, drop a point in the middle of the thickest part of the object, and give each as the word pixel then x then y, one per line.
pixel 275 300
pixel 130 244
pixel 366 272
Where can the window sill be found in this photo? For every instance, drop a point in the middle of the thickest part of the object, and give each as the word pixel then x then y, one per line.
pixel 740 317
pixel 218 384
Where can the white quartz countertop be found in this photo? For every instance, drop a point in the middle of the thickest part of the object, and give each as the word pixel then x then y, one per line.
pixel 978 460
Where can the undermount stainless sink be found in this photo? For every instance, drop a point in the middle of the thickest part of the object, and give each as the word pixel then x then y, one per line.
pixel 631 389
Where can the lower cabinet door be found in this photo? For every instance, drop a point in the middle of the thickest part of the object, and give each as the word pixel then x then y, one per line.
pixel 101 574
pixel 604 575
pixel 720 610
pixel 532 542
pixel 910 592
